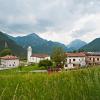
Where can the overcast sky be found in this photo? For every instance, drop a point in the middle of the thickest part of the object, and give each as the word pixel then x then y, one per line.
pixel 57 20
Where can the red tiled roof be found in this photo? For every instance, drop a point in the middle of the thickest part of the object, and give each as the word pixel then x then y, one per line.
pixel 81 54
pixel 40 55
pixel 8 57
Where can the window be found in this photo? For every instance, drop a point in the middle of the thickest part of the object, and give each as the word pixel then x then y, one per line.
pixel 74 64
pixel 73 59
pixel 97 59
pixel 93 59
pixel 66 65
pixel 69 60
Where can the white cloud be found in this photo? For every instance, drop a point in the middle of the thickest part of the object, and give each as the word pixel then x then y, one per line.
pixel 87 28
pixel 58 20
pixel 62 37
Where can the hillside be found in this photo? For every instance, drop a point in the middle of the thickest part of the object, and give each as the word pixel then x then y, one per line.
pixel 38 44
pixel 15 48
pixel 93 46
pixel 76 44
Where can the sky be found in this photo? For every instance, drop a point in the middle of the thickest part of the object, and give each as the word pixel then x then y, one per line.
pixel 57 20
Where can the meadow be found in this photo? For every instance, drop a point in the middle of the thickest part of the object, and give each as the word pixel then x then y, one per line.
pixel 82 84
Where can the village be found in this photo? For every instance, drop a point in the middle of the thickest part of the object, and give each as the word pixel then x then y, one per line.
pixel 72 60
pixel 50 50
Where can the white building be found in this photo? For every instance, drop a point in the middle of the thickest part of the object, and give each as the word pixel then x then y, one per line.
pixel 35 58
pixel 74 60
pixel 9 61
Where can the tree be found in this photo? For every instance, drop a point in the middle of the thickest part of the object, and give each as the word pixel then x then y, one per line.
pixel 58 56
pixel 5 52
pixel 46 63
pixel 75 51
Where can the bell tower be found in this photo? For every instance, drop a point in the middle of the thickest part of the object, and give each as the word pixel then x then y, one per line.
pixel 29 54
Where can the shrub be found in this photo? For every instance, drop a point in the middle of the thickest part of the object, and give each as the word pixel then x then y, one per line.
pixel 45 63
pixel 5 52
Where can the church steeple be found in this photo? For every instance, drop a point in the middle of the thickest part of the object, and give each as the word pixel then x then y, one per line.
pixel 29 54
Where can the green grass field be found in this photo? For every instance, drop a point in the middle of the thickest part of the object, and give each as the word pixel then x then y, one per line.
pixel 82 84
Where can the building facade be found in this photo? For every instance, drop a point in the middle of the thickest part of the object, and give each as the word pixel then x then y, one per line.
pixel 93 58
pixel 9 61
pixel 82 59
pixel 75 60
pixel 35 58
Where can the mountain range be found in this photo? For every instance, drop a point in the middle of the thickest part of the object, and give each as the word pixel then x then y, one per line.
pixel 38 44
pixel 19 45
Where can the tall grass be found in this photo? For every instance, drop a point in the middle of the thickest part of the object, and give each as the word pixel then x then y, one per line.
pixel 82 84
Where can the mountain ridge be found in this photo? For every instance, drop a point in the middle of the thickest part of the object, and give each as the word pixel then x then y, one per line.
pixel 76 44
pixel 15 48
pixel 93 46
pixel 39 45
pixel 20 44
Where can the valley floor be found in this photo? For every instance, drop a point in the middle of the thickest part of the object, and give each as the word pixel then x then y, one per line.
pixel 82 84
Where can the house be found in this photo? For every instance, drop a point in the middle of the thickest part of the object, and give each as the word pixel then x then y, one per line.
pixel 9 61
pixel 93 58
pixel 35 58
pixel 75 59
pixel 82 59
